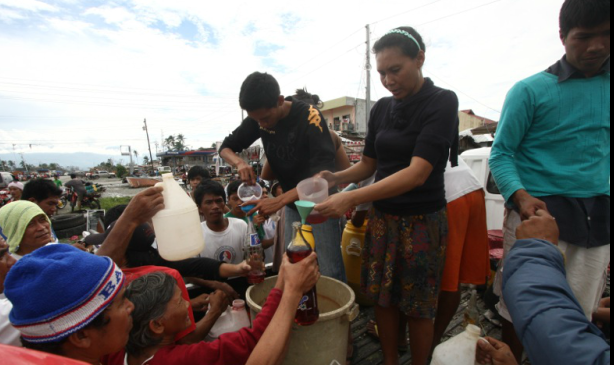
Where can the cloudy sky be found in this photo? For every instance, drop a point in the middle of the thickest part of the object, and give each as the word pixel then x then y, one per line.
pixel 82 75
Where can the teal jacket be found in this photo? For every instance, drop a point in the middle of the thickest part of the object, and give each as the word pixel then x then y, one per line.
pixel 554 138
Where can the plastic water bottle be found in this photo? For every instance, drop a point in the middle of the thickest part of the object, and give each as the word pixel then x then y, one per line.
pixel 460 350
pixel 254 254
pixel 472 313
pixel 178 229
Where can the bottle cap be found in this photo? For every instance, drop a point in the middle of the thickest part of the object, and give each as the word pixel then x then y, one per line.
pixel 238 304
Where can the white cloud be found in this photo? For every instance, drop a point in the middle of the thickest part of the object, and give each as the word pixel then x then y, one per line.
pixel 30 5
pixel 90 74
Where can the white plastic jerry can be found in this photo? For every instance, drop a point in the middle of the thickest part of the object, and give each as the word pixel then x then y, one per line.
pixel 460 350
pixel 178 229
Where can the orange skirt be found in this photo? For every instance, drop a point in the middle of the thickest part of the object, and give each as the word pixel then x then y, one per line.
pixel 467 257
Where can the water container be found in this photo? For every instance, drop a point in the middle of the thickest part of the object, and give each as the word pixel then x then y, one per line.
pixel 232 320
pixel 460 350
pixel 313 190
pixel 352 245
pixel 178 230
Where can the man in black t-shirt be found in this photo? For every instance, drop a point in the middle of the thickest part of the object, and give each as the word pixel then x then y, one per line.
pixel 298 146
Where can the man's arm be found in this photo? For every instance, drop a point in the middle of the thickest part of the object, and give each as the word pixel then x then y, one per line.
pixel 546 315
pixel 516 120
pixel 141 209
pixel 242 138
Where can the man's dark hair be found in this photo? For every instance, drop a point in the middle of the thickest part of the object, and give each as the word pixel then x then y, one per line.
pixel 55 348
pixel 403 42
pixel 233 188
pixel 150 295
pixel 40 189
pixel 73 176
pixel 259 91
pixel 209 187
pixel 197 171
pixel 584 13
pixel 113 215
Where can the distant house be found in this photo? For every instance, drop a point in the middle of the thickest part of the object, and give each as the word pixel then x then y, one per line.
pixel 476 131
pixel 347 116
pixel 469 120
pixel 182 159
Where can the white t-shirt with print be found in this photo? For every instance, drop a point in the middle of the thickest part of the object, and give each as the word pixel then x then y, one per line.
pixel 225 246
pixel 8 334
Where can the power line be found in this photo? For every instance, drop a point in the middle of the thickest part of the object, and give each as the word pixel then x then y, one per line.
pixel 459 13
pixel 406 12
pixel 464 93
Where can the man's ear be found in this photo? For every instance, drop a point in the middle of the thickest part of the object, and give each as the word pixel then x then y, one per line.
pixel 82 339
pixel 156 327
pixel 281 100
pixel 562 36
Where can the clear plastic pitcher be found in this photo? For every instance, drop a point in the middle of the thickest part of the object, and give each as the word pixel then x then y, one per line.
pixel 460 350
pixel 248 193
pixel 178 230
pixel 314 190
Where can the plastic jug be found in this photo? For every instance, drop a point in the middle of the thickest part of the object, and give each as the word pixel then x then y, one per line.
pixel 460 350
pixel 352 245
pixel 314 190
pixel 233 320
pixel 178 229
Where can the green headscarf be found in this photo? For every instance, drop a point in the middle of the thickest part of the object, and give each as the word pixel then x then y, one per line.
pixel 14 220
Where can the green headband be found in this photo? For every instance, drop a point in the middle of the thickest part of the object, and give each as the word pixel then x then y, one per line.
pixel 402 32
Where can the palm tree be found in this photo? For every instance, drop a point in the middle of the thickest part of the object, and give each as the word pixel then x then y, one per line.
pixel 169 143
pixel 180 142
pixel 136 155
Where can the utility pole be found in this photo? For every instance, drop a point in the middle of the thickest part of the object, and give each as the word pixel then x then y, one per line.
pixel 149 145
pixel 368 67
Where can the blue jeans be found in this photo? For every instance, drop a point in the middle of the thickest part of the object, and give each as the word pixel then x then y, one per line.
pixel 328 244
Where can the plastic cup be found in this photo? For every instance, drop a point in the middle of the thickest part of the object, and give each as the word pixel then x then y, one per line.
pixel 314 190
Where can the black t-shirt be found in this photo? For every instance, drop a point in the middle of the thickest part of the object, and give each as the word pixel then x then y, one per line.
pixel 426 126
pixel 297 148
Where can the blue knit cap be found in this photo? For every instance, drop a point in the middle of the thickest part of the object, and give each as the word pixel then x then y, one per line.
pixel 58 290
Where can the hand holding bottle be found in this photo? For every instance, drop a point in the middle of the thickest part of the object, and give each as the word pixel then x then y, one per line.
pixel 302 276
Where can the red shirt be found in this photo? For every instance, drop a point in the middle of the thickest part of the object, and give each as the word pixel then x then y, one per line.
pixel 135 273
pixel 229 349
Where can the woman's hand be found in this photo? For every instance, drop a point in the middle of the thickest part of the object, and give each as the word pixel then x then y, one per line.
pixel 336 206
pixel 201 303
pixel 330 177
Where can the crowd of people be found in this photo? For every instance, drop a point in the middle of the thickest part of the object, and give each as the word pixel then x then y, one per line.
pixel 423 207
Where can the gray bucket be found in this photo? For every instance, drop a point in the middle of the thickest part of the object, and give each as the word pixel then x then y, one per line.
pixel 326 342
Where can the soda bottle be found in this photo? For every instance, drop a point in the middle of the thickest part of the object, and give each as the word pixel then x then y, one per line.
pixel 254 255
pixel 472 313
pixel 299 249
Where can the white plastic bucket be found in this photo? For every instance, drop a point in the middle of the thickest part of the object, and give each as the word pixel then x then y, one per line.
pixel 326 341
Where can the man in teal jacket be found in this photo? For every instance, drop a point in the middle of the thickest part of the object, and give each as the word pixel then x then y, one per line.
pixel 552 152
